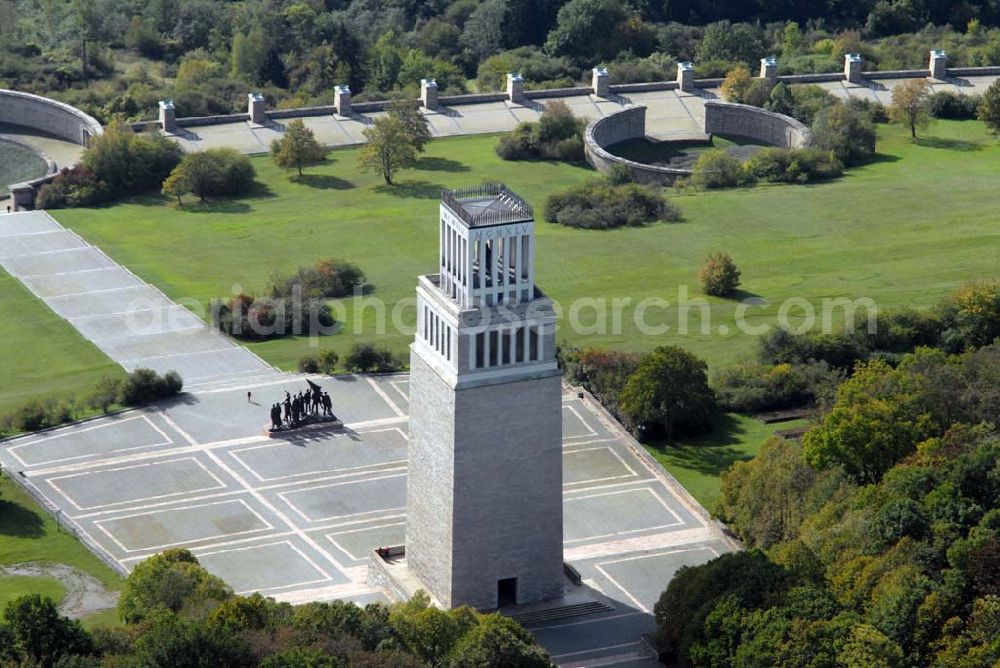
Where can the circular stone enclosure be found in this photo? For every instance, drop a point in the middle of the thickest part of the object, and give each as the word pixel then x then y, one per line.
pixel 739 121
pixel 19 163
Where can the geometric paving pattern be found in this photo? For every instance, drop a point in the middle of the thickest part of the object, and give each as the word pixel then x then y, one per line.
pixel 296 517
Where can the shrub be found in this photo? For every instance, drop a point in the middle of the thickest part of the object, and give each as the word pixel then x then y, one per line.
pixel 945 104
pixel 603 372
pixel 751 387
pixel 874 111
pixel 252 319
pixel 328 360
pixel 719 275
pixel 809 101
pixel 34 415
pixel 309 364
pixel 793 165
pixel 129 163
pixel 216 172
pixel 736 84
pixel 328 277
pixel 145 385
pixel 106 394
pixel 717 169
pixel 324 362
pixel 845 132
pixel 76 186
pixel 366 358
pixel 557 136
pixel 599 204
pixel 520 144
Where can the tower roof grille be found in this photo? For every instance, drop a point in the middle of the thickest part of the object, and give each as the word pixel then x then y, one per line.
pixel 487 204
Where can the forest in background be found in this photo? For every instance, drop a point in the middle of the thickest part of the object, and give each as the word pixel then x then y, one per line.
pixel 117 58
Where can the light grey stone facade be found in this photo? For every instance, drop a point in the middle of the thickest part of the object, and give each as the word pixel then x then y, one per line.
pixel 484 488
pixel 429 93
pixel 852 67
pixel 685 76
pixel 938 64
pixel 342 100
pixel 168 116
pixel 50 116
pixel 257 108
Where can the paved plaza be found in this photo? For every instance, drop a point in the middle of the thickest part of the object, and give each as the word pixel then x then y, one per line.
pixel 296 517
pixel 671 114
pixel 130 320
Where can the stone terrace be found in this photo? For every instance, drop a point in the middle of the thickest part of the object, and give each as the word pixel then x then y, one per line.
pixel 296 517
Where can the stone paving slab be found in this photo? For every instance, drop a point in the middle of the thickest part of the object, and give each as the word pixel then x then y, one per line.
pixel 130 321
pixel 296 517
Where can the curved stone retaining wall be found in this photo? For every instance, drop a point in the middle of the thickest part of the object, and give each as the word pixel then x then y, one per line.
pixel 23 194
pixel 628 123
pixel 755 124
pixel 738 120
pixel 46 115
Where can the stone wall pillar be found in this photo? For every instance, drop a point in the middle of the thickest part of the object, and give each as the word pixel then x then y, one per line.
pixel 852 67
pixel 257 108
pixel 168 116
pixel 515 86
pixel 938 64
pixel 769 69
pixel 342 100
pixel 601 82
pixel 685 76
pixel 429 93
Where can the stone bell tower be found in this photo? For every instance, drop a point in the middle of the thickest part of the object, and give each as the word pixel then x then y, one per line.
pixel 484 490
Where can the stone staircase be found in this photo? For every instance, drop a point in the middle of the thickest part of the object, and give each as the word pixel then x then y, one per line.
pixel 549 614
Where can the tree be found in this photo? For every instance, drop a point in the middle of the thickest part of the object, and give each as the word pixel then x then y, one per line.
pixel 418 130
pixel 868 647
pixel 587 29
pixel 128 163
pixel 911 105
pixel 172 580
pixel 498 641
pixel 297 147
pixel 763 499
pixel 733 42
pixel 879 417
pixel 736 84
pixel 989 109
pixel 39 635
pixel 669 391
pixel 170 640
pixel 175 185
pixel 214 172
pixel 366 358
pixel 846 132
pixel 719 275
pixel 389 147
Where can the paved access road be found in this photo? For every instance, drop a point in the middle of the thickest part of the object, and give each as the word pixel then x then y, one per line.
pixel 128 319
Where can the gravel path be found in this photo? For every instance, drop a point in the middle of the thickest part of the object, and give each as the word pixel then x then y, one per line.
pixel 85 594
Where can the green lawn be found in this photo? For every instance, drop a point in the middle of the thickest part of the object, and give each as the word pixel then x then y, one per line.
pixel 42 355
pixel 697 462
pixel 15 586
pixel 904 230
pixel 29 534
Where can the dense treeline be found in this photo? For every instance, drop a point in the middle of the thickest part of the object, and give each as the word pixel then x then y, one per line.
pixel 116 58
pixel 881 531
pixel 876 540
pixel 176 614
